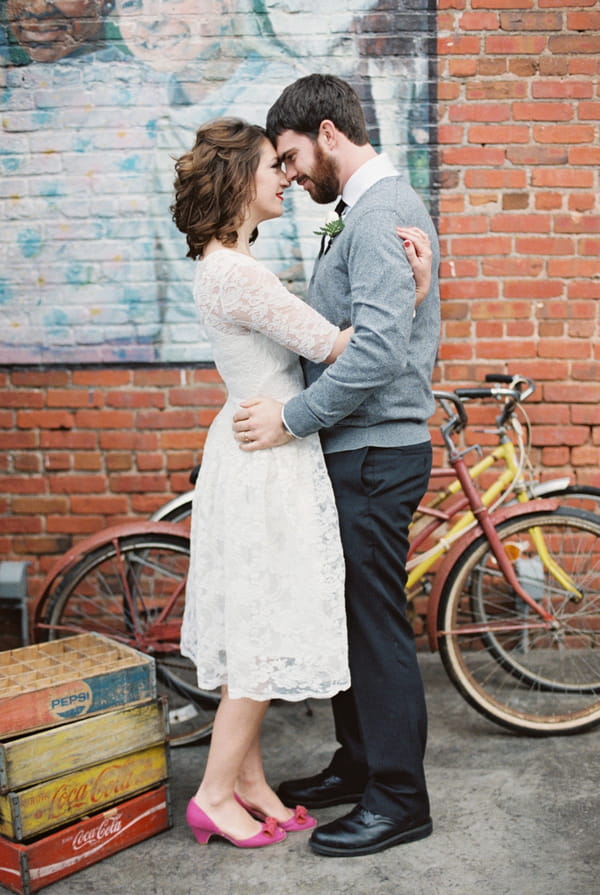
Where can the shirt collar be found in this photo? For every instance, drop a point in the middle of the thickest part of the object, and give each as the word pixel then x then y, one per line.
pixel 367 176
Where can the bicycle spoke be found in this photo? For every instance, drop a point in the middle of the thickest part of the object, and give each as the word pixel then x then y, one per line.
pixel 512 666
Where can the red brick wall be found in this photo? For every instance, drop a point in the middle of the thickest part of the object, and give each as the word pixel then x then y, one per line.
pixel 518 163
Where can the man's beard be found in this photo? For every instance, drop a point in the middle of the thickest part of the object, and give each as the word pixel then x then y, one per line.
pixel 325 185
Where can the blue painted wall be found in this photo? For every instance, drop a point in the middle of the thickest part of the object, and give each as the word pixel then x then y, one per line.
pixel 97 99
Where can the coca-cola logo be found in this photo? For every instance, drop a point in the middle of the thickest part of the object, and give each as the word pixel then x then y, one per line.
pixel 107 829
pixel 68 701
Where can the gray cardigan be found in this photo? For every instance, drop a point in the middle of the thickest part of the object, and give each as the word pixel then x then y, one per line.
pixel 378 392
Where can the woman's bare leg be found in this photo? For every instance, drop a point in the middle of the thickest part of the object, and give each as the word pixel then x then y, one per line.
pixel 252 785
pixel 236 728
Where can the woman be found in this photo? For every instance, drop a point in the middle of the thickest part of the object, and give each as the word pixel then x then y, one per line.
pixel 264 615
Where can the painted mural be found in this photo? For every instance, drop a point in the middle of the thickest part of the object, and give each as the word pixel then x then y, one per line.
pixel 97 97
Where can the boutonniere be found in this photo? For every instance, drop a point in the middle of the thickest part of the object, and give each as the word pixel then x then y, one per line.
pixel 333 225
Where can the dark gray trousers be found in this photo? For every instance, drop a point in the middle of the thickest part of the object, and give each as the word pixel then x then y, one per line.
pixel 381 722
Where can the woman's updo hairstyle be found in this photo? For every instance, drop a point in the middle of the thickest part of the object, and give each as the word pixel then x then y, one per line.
pixel 214 182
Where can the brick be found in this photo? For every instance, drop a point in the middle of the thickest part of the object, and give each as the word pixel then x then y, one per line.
pixel 515 201
pixel 573 267
pixel 133 441
pixel 515 45
pixel 104 419
pixel 500 133
pixel 544 245
pixel 505 350
pixel 531 21
pixel 501 310
pixel 479 21
pixel 73 397
pixel 21 398
pixel 462 67
pixel 137 483
pixel 497 90
pixel 583 21
pixel 581 202
pixel 588 111
pixel 473 156
pixel 537 155
pixel 563 134
pixel 480 112
pixel 520 223
pixel 570 348
pixel 548 201
pixel 576 223
pixel 77 484
pixel 481 246
pixel 569 89
pixel 559 435
pixel 459 46
pixel 574 44
pixel 135 398
pixel 533 289
pixel 468 289
pixel 540 111
pixel 99 505
pixel 562 177
pixel 45 419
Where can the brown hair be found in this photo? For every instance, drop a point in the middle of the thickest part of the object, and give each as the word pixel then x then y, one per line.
pixel 307 102
pixel 214 182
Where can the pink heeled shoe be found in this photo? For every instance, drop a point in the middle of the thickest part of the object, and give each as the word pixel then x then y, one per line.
pixel 203 828
pixel 300 820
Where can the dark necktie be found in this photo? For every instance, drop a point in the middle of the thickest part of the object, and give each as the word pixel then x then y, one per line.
pixel 326 245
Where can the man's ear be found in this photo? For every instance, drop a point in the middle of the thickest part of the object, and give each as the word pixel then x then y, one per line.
pixel 328 134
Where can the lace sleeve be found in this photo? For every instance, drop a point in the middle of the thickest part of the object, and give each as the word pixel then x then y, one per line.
pixel 251 296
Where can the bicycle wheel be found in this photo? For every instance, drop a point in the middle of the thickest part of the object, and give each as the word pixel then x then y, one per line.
pixel 517 670
pixel 132 590
pixel 579 497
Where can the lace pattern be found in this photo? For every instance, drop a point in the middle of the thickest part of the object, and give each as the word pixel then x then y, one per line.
pixel 264 602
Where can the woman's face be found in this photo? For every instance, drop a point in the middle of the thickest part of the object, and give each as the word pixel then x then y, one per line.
pixel 168 34
pixel 270 182
pixel 49 31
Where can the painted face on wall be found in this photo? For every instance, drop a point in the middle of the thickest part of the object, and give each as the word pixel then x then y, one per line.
pixel 316 26
pixel 48 31
pixel 168 34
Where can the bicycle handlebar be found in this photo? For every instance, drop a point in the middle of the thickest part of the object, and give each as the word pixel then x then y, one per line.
pixel 520 388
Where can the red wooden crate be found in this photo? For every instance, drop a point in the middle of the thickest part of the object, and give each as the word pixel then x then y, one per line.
pixel 29 868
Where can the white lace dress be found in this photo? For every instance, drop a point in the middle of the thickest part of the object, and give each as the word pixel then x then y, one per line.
pixel 264 609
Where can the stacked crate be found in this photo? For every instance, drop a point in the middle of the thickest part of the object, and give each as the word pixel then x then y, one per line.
pixel 83 757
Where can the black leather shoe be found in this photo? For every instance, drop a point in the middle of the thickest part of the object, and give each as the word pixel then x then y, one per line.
pixel 321 791
pixel 363 833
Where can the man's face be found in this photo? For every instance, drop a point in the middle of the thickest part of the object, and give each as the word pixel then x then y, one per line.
pixel 168 34
pixel 51 30
pixel 309 165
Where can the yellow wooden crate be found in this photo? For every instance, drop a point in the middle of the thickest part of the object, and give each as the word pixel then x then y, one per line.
pixel 61 750
pixel 59 801
pixel 52 683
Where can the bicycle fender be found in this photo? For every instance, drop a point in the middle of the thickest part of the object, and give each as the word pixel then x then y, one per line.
pixel 457 550
pixel 105 536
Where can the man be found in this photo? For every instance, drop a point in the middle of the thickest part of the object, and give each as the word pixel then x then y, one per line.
pixel 371 407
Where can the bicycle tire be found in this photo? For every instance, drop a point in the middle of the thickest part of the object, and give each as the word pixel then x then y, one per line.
pixel 578 497
pixel 92 596
pixel 514 671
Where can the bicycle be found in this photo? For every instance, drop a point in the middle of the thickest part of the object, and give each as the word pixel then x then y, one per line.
pixel 487 600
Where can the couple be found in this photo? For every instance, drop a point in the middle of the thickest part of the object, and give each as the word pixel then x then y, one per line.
pixel 282 518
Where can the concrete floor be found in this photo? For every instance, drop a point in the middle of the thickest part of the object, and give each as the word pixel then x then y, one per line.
pixel 512 816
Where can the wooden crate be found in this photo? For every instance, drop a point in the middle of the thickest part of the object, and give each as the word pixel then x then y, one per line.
pixel 54 803
pixel 28 868
pixel 56 682
pixel 70 747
